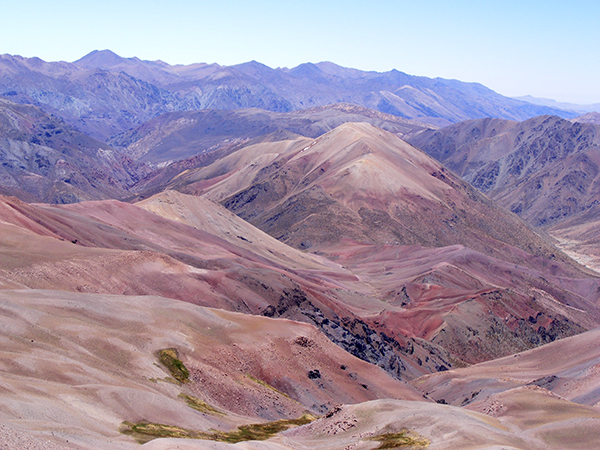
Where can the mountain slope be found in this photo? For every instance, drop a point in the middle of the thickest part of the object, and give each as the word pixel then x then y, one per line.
pixel 579 237
pixel 343 195
pixel 567 368
pixel 386 191
pixel 43 159
pixel 97 102
pixel 200 252
pixel 81 367
pixel 101 247
pixel 94 361
pixel 213 218
pixel 544 169
pixel 592 117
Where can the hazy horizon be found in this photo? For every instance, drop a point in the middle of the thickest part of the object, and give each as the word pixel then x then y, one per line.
pixel 546 50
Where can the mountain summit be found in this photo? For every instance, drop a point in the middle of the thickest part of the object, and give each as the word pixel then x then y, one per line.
pixel 101 59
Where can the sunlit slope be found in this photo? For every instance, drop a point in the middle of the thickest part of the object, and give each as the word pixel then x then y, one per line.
pixel 361 183
pixel 76 366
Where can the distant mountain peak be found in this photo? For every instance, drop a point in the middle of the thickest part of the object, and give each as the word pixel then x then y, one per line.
pixel 306 70
pixel 337 70
pixel 551 103
pixel 99 57
pixel 155 88
pixel 253 68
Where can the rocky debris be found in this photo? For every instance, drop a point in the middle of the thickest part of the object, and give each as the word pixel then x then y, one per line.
pixel 353 335
pixel 546 382
pixel 494 408
pixel 314 374
pixel 337 420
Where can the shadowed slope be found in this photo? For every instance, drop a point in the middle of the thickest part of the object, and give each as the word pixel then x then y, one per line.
pixel 545 169
pixel 213 218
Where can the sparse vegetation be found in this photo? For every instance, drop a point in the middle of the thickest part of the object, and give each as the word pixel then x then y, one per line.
pixel 169 357
pixel 404 439
pixel 262 431
pixel 146 431
pixel 199 405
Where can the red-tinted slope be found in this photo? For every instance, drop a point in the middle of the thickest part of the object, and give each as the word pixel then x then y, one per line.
pixel 361 183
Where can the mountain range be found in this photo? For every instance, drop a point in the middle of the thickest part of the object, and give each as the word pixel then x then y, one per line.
pixel 211 257
pixel 582 109
pixel 103 94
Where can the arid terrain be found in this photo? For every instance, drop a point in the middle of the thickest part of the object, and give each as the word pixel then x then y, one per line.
pixel 208 257
pixel 544 169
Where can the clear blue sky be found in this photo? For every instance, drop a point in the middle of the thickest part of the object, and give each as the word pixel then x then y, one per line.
pixel 543 48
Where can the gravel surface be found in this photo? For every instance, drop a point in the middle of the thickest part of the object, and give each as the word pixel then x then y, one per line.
pixel 11 439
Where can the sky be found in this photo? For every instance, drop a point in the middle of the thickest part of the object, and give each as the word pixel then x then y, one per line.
pixel 547 49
